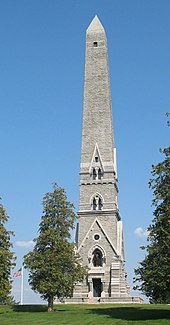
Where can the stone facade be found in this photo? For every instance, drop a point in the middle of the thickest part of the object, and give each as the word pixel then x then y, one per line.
pixel 99 232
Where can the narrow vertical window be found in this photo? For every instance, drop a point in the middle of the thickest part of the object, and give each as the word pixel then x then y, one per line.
pixel 94 204
pixel 95 44
pixel 94 173
pixel 100 204
pixel 99 174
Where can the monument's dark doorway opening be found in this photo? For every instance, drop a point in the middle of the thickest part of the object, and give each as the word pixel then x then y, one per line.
pixel 97 287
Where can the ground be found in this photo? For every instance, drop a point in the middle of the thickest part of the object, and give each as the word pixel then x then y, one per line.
pixel 85 315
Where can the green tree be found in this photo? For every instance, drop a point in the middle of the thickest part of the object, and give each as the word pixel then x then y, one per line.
pixel 7 258
pixel 154 271
pixel 53 265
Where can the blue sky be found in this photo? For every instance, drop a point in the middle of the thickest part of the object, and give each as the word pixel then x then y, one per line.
pixel 42 47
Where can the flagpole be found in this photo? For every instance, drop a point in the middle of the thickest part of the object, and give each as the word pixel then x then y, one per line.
pixel 22 285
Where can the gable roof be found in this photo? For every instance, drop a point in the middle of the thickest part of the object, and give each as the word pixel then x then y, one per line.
pixel 104 232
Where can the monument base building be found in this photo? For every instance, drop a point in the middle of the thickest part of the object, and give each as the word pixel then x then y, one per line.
pixel 99 235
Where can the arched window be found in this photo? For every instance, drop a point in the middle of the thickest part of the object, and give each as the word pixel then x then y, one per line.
pixel 94 204
pixel 97 203
pixel 97 258
pixel 94 173
pixel 100 204
pixel 99 174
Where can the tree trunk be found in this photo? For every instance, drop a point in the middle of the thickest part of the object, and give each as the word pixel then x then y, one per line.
pixel 50 303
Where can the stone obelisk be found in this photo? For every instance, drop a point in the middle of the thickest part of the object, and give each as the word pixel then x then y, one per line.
pixel 99 232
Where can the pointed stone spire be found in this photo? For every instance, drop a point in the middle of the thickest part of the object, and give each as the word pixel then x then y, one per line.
pixel 95 25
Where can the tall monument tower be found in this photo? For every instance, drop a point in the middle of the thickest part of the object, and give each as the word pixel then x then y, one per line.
pixel 99 232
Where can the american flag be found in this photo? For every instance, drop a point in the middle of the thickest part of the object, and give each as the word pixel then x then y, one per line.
pixel 17 273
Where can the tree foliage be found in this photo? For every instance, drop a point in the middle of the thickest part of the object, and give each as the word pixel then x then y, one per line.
pixel 154 270
pixel 53 264
pixel 6 258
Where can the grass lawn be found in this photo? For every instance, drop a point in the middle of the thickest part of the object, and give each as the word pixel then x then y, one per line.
pixel 85 315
